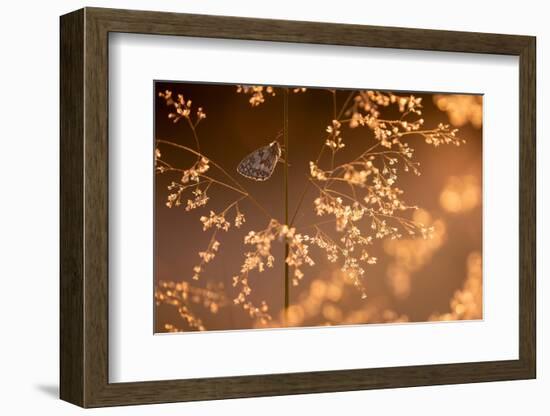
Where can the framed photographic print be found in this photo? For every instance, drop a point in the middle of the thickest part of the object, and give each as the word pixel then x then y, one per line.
pixel 256 207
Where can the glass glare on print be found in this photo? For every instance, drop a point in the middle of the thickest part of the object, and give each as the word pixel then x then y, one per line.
pixel 282 206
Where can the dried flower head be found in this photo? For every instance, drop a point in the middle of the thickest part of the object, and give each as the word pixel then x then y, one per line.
pixel 183 296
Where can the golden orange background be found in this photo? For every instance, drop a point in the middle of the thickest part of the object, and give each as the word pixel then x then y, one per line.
pixel 414 280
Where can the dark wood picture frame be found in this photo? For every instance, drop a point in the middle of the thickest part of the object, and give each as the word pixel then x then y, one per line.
pixel 84 207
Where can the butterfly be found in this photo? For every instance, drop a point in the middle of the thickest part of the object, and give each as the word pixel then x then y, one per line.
pixel 260 164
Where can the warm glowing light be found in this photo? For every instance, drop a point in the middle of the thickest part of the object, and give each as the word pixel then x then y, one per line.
pixel 461 109
pixel 332 313
pixel 410 255
pixel 334 292
pixel 467 302
pixel 318 288
pixel 460 194
pixel 295 315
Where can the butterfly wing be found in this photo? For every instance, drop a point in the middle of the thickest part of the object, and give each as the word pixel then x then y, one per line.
pixel 260 164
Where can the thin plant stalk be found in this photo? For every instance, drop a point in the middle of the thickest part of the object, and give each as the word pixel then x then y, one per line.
pixel 285 181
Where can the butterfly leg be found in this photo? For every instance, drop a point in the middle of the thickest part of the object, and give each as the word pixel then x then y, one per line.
pixel 283 161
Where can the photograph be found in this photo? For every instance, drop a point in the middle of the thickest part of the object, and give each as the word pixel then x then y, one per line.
pixel 299 206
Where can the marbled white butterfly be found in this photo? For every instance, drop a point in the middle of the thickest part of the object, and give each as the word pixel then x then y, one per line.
pixel 260 164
